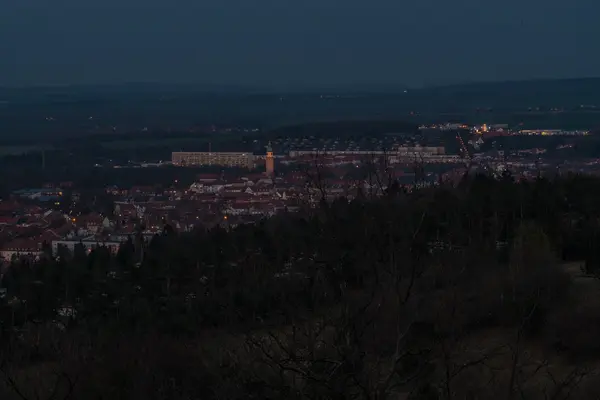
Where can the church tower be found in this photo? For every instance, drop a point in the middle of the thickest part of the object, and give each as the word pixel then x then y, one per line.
pixel 269 161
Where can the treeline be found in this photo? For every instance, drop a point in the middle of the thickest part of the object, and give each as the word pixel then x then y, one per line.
pixel 443 293
pixel 344 129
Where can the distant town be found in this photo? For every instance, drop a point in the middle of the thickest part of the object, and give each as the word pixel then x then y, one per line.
pixel 281 174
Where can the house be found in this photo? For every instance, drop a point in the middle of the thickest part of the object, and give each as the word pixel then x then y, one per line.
pixel 234 195
pixel 207 187
pixel 21 248
pixel 265 181
pixel 239 184
pixel 142 191
pixel 116 191
pixel 89 244
pixel 125 209
pixel 43 194
pixel 34 210
pixel 207 178
pixel 93 222
pixel 8 220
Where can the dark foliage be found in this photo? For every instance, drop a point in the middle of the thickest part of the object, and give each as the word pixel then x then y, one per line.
pixel 442 293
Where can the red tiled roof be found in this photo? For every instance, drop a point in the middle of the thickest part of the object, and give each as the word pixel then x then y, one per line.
pixel 6 220
pixel 33 210
pixel 142 189
pixel 215 183
pixel 244 202
pixel 9 205
pixel 48 236
pixel 235 194
pixel 31 220
pixel 94 218
pixel 62 230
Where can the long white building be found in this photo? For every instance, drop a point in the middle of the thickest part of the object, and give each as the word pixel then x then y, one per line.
pixel 204 158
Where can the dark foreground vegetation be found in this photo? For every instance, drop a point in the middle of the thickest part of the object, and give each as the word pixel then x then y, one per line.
pixel 445 293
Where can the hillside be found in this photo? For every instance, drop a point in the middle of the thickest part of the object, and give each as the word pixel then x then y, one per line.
pixel 485 291
pixel 35 114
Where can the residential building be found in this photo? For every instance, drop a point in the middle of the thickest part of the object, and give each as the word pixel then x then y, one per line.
pixel 225 159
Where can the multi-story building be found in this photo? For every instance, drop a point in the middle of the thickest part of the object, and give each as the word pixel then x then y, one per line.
pixel 225 159
pixel 398 150
pixel 88 244
pixel 552 132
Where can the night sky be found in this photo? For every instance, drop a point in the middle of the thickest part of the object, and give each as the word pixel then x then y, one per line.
pixel 284 43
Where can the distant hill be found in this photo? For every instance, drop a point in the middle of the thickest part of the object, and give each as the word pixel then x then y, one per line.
pixel 516 94
pixel 40 113
pixel 554 84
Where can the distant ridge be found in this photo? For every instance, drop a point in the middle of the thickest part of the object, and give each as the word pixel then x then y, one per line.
pixel 366 88
pixel 511 82
pixel 515 83
pixel 141 87
pixel 87 109
pixel 133 87
pixel 567 93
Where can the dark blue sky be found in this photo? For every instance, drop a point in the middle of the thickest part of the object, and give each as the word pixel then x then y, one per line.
pixel 290 43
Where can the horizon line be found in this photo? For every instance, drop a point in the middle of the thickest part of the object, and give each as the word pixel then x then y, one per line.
pixel 360 87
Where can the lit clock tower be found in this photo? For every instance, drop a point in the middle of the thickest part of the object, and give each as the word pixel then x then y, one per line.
pixel 269 161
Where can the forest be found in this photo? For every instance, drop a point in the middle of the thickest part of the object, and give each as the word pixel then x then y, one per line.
pixel 485 290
